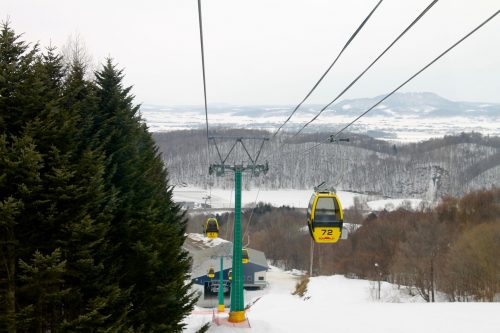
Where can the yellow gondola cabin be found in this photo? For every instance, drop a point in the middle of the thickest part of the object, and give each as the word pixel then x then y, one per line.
pixel 211 228
pixel 325 217
pixel 211 273
pixel 244 256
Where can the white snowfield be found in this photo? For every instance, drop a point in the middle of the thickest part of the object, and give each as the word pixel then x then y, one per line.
pixel 224 199
pixel 221 198
pixel 338 304
pixel 411 125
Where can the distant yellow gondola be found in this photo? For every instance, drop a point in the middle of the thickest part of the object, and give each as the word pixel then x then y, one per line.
pixel 211 273
pixel 244 256
pixel 325 216
pixel 211 228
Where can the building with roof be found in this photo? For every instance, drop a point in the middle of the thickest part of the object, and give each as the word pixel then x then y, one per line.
pixel 206 254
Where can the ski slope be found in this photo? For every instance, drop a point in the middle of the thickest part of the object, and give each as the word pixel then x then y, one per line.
pixel 338 304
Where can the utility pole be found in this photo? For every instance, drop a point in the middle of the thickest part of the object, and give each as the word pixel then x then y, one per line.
pixel 221 306
pixel 237 311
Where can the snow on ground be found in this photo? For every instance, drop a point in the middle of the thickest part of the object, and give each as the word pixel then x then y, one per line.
pixel 335 303
pixel 401 128
pixel 221 198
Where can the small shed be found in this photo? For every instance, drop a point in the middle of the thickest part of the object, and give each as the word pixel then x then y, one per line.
pixel 255 271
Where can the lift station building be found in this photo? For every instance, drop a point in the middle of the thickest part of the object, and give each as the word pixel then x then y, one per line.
pixel 206 254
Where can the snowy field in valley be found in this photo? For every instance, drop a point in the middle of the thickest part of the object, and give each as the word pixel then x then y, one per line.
pixel 224 199
pixel 410 123
pixel 221 198
pixel 338 304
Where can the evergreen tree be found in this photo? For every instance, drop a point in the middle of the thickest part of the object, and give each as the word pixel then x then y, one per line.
pixel 20 166
pixel 55 71
pixel 57 178
pixel 148 229
pixel 42 278
pixel 20 163
pixel 90 239
pixel 20 88
pixel 77 207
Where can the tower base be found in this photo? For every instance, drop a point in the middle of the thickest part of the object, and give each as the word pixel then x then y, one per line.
pixel 236 316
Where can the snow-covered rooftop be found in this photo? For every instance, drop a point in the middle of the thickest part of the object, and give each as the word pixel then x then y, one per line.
pixel 202 242
pixel 206 253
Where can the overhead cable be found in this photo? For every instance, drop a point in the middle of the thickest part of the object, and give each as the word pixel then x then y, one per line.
pixel 253 209
pixel 333 63
pixel 204 78
pixel 332 137
pixel 367 68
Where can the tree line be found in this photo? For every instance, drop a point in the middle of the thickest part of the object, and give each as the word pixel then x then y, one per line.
pixel 90 239
pixel 452 165
pixel 451 249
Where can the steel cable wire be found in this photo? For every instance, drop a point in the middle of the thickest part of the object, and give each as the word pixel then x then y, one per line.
pixel 369 66
pixel 329 68
pixel 333 136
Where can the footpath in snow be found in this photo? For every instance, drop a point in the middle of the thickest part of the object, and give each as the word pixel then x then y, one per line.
pixel 338 304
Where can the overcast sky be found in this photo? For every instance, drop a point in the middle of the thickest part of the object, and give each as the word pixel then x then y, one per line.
pixel 273 51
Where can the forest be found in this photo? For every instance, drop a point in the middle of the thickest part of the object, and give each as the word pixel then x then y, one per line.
pixel 453 165
pixel 90 239
pixel 450 249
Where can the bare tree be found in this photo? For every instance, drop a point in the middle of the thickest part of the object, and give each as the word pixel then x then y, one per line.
pixel 474 268
pixel 417 257
pixel 75 51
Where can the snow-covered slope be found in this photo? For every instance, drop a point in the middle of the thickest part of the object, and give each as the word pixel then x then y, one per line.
pixel 338 304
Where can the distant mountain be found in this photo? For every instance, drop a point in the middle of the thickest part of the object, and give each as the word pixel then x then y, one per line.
pixel 423 104
pixel 402 117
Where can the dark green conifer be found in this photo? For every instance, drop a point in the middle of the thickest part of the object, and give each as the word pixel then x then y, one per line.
pixel 148 229
pixel 20 166
pixel 20 162
pixel 41 279
pixel 17 74
pixel 90 238
pixel 55 71
pixel 79 206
